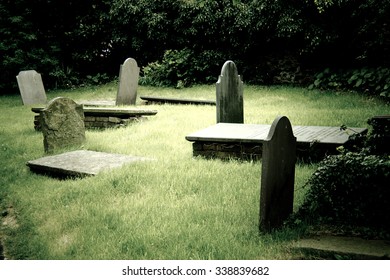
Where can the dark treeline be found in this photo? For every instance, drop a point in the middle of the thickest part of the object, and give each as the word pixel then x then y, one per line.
pixel 185 42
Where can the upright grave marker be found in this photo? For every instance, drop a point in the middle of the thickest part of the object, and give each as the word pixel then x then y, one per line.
pixel 128 83
pixel 277 175
pixel 62 124
pixel 229 90
pixel 31 87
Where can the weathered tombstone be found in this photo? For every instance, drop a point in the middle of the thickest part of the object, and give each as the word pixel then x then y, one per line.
pixel 277 175
pixel 62 123
pixel 128 83
pixel 229 87
pixel 31 87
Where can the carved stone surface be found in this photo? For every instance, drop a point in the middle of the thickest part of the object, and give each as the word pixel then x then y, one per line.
pixel 31 87
pixel 62 123
pixel 128 83
pixel 277 175
pixel 229 91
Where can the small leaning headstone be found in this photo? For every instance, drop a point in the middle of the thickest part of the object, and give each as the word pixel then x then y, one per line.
pixel 229 90
pixel 31 87
pixel 277 175
pixel 128 83
pixel 62 123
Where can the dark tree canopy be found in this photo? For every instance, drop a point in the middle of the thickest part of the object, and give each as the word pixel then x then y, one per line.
pixel 74 42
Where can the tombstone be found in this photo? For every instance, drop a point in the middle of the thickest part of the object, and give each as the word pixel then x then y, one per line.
pixel 62 123
pixel 229 87
pixel 128 83
pixel 31 87
pixel 277 175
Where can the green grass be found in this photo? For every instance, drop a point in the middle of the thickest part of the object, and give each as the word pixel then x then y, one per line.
pixel 176 207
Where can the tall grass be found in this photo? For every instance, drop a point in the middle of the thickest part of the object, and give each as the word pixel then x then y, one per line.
pixel 176 207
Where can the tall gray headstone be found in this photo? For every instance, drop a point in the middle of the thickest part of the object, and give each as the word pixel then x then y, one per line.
pixel 128 83
pixel 229 87
pixel 31 87
pixel 277 175
pixel 62 123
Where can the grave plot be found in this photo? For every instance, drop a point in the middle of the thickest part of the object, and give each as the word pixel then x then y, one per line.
pixel 104 117
pixel 80 163
pixel 33 92
pixel 127 87
pixel 245 141
pixel 231 138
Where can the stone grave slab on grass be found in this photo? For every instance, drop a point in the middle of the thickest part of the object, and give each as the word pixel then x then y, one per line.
pixel 97 103
pixel 80 163
pixel 245 141
pixel 171 100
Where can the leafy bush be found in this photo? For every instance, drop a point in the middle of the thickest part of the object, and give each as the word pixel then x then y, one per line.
pixel 379 138
pixel 351 188
pixel 371 81
pixel 182 68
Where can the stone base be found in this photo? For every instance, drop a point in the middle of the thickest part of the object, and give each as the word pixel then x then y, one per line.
pixel 109 122
pixel 245 151
pixel 251 151
pixel 104 117
pixel 98 122
pixel 80 163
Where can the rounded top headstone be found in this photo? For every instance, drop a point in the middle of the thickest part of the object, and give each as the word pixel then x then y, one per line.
pixel 229 67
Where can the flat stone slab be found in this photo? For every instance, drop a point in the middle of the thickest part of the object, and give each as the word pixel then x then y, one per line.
pixel 255 133
pixel 359 247
pixel 97 103
pixel 111 112
pixel 177 100
pixel 81 163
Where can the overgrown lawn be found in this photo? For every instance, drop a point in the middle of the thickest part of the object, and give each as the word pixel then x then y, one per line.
pixel 175 207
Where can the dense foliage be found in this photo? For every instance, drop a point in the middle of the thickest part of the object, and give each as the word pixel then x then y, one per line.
pixel 179 43
pixel 371 81
pixel 353 188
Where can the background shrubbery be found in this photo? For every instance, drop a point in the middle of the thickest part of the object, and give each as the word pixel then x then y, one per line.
pixel 371 81
pixel 180 43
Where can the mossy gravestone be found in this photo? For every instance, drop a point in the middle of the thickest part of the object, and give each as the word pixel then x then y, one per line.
pixel 277 175
pixel 62 123
pixel 229 90
pixel 128 83
pixel 31 87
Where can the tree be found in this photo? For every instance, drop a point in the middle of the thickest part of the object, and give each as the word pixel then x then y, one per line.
pixel 63 40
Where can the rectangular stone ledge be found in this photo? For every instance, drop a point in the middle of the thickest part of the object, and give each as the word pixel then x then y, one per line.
pixel 101 118
pixel 242 141
pixel 167 100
